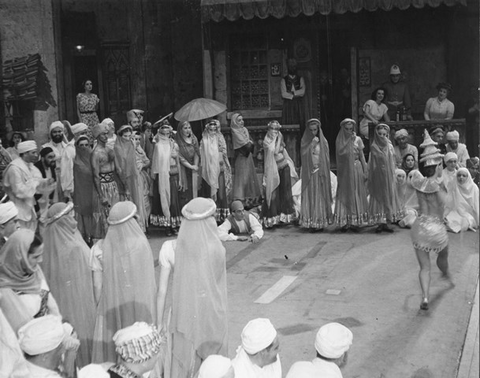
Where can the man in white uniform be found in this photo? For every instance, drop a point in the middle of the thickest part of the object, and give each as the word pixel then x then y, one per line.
pixel 21 180
pixel 257 357
pixel 240 225
pixel 332 343
pixel 459 148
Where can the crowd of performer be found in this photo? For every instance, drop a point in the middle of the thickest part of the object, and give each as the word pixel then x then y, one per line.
pixel 76 212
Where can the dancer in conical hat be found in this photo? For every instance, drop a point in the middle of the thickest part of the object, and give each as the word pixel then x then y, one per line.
pixel 429 235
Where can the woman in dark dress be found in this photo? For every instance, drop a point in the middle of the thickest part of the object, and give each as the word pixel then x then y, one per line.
pixel 189 156
pixel 278 170
pixel 245 183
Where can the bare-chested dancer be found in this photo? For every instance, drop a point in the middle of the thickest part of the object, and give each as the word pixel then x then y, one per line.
pixel 104 170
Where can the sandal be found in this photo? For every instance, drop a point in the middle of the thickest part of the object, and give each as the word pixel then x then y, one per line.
pixel 424 305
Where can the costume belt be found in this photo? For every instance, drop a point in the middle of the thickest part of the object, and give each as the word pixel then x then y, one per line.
pixel 106 177
pixel 88 112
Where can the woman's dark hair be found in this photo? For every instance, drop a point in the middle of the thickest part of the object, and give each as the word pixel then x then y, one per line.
pixel 407 155
pixel 429 170
pixel 374 93
pixel 146 125
pixel 120 133
pixel 37 241
pixel 11 143
pixel 84 82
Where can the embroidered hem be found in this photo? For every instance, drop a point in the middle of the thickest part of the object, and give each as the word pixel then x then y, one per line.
pixel 277 219
pixel 351 220
pixel 162 221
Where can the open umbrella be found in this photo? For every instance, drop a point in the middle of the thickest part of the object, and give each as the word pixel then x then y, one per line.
pixel 198 109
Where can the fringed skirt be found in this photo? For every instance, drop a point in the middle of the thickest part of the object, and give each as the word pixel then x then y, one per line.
pixel 157 218
pixel 429 234
pixel 281 205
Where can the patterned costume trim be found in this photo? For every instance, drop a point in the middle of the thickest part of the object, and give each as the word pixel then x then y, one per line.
pixel 162 221
pixel 276 220
pixel 429 234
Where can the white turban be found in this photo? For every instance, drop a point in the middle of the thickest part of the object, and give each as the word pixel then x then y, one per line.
pixel 453 135
pixel 41 335
pixel 107 121
pixel 79 128
pixel 401 133
pixel 215 366
pixel 93 371
pixel 449 156
pixel 8 211
pixel 257 335
pixel 55 125
pixel 333 340
pixel 26 146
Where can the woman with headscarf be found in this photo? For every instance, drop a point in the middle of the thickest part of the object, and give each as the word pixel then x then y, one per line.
pixel 278 170
pixel 125 157
pixel 449 174
pixel 20 271
pixel 215 169
pixel 383 207
pixel 166 182
pixel 189 156
pixel 316 197
pixel 408 163
pixel 128 286
pixel 429 235
pixel 66 269
pixel 351 205
pixel 199 290
pixel 462 203
pixel 84 191
pixel 246 187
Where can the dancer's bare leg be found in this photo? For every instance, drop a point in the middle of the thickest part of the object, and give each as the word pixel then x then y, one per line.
pixel 424 275
pixel 442 262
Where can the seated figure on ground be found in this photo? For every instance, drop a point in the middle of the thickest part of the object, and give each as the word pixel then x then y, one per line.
pixel 240 225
